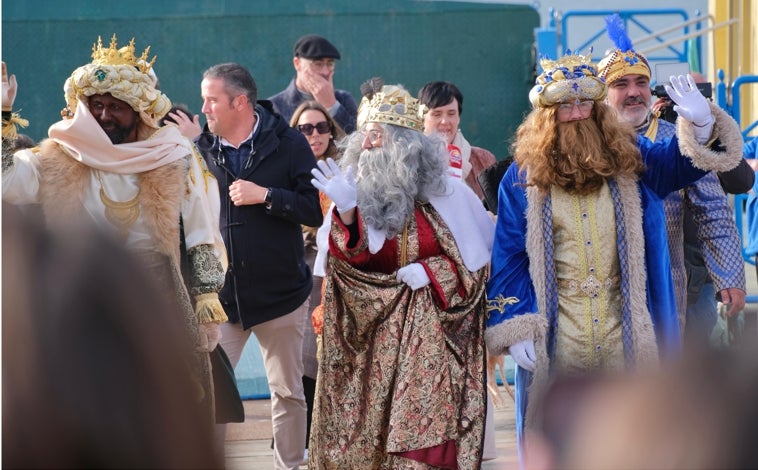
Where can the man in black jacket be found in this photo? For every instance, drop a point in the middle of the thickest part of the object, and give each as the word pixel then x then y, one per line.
pixel 263 171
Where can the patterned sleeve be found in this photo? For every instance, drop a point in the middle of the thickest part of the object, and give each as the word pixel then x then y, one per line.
pixel 205 248
pixel 717 232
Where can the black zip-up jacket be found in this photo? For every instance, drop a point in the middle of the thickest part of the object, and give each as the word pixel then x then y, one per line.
pixel 268 276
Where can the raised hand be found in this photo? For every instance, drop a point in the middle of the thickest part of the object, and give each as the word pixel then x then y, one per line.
pixel 9 89
pixel 691 105
pixel 189 126
pixel 329 179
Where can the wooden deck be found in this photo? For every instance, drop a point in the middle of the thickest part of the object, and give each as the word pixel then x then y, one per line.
pixel 248 444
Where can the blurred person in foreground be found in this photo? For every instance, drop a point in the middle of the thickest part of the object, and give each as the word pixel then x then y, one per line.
pixel 637 422
pixel 581 279
pixel 698 213
pixel 95 356
pixel 402 372
pixel 108 161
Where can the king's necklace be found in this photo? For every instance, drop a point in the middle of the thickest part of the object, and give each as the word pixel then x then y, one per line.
pixel 120 214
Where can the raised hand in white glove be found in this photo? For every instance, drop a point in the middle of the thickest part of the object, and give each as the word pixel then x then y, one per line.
pixel 523 354
pixel 414 275
pixel 691 105
pixel 210 335
pixel 9 90
pixel 328 179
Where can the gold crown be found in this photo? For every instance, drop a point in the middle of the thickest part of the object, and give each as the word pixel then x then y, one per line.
pixel 392 105
pixel 113 55
pixel 572 77
pixel 119 72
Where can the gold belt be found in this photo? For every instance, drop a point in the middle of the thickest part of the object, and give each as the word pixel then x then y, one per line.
pixel 591 286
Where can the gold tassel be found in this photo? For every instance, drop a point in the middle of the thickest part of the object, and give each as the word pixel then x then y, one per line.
pixel 9 126
pixel 208 309
pixel 652 129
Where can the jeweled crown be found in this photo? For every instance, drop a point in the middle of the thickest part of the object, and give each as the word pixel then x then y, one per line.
pixel 113 55
pixel 571 77
pixel 392 105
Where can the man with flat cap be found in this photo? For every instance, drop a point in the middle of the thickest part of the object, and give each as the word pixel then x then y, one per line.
pixel 314 60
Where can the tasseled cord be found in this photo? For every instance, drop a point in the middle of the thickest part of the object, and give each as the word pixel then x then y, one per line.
pixel 10 124
pixel 208 309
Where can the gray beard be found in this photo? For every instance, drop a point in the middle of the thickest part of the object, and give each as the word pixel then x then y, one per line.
pixel 386 196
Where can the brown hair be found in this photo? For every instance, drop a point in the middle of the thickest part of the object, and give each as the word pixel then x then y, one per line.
pixel 578 156
pixel 337 132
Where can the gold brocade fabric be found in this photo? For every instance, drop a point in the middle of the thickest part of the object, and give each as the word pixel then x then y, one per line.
pixel 397 372
pixel 588 272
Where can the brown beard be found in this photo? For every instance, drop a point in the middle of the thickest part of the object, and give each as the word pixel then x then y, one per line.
pixel 580 162
pixel 578 156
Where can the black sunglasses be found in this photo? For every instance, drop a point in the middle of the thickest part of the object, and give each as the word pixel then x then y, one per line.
pixel 307 129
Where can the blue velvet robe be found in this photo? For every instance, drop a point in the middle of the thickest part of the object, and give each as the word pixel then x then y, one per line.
pixel 510 260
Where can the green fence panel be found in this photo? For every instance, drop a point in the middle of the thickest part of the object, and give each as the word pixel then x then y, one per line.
pixel 486 49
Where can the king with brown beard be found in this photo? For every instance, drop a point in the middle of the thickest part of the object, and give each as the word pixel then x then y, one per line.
pixel 401 380
pixel 580 278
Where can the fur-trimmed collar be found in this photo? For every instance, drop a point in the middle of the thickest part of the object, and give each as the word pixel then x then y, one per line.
pixel 725 129
pixel 161 193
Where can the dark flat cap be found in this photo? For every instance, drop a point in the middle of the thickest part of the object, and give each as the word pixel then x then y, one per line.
pixel 315 47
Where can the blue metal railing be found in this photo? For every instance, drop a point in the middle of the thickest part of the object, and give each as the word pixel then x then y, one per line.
pixel 733 108
pixel 635 17
pixel 736 87
pixel 723 90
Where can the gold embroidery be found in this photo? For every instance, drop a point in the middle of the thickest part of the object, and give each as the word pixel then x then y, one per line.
pixel 591 286
pixel 120 214
pixel 499 303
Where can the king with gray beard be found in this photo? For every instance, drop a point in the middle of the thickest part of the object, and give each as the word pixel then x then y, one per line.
pixel 405 255
pixel 409 167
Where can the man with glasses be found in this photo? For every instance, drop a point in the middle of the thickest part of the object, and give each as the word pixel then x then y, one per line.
pixel 315 60
pixel 263 167
pixel 581 279
pixel 402 376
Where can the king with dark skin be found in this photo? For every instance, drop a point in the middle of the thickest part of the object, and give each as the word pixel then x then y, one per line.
pixel 115 116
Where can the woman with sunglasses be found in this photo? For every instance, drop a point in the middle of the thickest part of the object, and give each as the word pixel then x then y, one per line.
pixel 321 131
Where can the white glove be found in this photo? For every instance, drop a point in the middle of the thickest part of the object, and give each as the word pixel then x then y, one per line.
pixel 330 181
pixel 210 335
pixel 691 105
pixel 523 354
pixel 414 275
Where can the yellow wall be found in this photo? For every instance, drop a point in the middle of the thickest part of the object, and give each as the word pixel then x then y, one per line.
pixel 735 50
